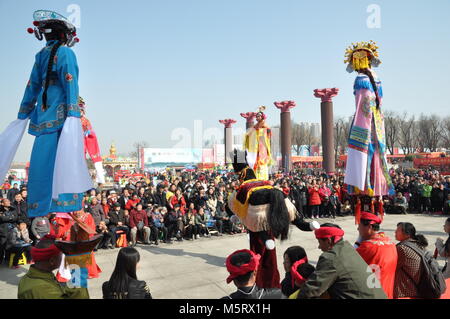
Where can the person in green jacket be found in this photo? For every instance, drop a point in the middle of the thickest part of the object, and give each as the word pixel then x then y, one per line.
pixel 425 196
pixel 40 282
pixel 340 273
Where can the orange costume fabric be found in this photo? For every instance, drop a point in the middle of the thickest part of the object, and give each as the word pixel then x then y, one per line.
pixel 93 269
pixel 381 252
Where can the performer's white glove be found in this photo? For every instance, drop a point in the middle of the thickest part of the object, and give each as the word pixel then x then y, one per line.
pixel 270 244
pixel 314 225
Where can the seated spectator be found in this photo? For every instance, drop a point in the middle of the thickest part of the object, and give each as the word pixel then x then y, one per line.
pixel 340 270
pixel 40 282
pixel 123 283
pixel 132 203
pixel 409 266
pixel 96 210
pixel 157 218
pixel 8 220
pixel 106 241
pixel 178 198
pixel 290 256
pixel 174 223
pixel 191 229
pixel 105 206
pixel 400 204
pixel 139 222
pixel 346 208
pixel 211 203
pixel 118 222
pixel 223 223
pixel 40 226
pixel 19 242
pixel 21 207
pixel 243 266
pixel 378 251
pixel 444 249
pixel 201 220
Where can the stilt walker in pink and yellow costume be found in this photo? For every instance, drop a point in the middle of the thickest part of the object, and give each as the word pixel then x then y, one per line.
pixel 366 170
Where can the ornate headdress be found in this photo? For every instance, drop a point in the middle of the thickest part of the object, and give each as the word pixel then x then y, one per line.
pixel 361 55
pixel 261 110
pixel 43 21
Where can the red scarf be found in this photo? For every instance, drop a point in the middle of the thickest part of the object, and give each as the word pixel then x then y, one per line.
pixel 295 274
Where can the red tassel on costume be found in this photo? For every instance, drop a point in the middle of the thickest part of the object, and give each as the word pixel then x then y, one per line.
pixel 357 211
pixel 381 209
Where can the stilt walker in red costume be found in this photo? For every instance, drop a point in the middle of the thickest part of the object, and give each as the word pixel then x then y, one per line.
pixel 91 142
pixel 267 214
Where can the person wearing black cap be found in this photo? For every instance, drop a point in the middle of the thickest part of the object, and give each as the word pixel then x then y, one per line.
pixel 117 222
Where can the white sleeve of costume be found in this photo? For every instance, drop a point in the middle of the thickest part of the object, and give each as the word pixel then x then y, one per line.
pixel 71 174
pixel 64 271
pixel 9 142
pixel 100 172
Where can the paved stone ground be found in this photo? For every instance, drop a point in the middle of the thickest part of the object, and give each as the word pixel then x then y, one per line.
pixel 195 269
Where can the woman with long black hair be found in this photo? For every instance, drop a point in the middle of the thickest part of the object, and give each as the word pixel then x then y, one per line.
pixel 123 283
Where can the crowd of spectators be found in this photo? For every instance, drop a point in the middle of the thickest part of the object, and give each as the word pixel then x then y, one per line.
pixel 182 205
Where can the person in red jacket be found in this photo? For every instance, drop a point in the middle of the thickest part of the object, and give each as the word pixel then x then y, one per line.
pixel 178 199
pixel 131 203
pixel 139 221
pixel 314 201
pixel 378 251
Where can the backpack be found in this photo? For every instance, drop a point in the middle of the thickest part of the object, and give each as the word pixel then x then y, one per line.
pixel 432 282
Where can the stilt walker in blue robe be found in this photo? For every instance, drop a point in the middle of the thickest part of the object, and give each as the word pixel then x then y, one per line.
pixel 58 173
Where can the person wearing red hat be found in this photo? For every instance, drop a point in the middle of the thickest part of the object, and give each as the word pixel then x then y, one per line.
pixel 40 282
pixel 340 271
pixel 378 251
pixel 243 267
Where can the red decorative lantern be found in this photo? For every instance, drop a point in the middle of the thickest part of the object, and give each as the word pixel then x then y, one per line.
pixel 30 30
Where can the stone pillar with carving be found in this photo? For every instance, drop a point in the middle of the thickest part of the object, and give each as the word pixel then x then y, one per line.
pixel 249 119
pixel 228 141
pixel 326 107
pixel 285 133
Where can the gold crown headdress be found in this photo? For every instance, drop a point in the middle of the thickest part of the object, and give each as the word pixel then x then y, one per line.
pixel 261 110
pixel 361 55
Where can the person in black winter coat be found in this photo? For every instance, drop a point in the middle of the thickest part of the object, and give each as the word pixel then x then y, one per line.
pixel 8 221
pixel 123 283
pixel 160 198
pixel 117 222
pixel 13 192
pixel 21 208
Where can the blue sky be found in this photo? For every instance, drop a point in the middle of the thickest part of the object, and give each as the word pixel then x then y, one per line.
pixel 148 67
